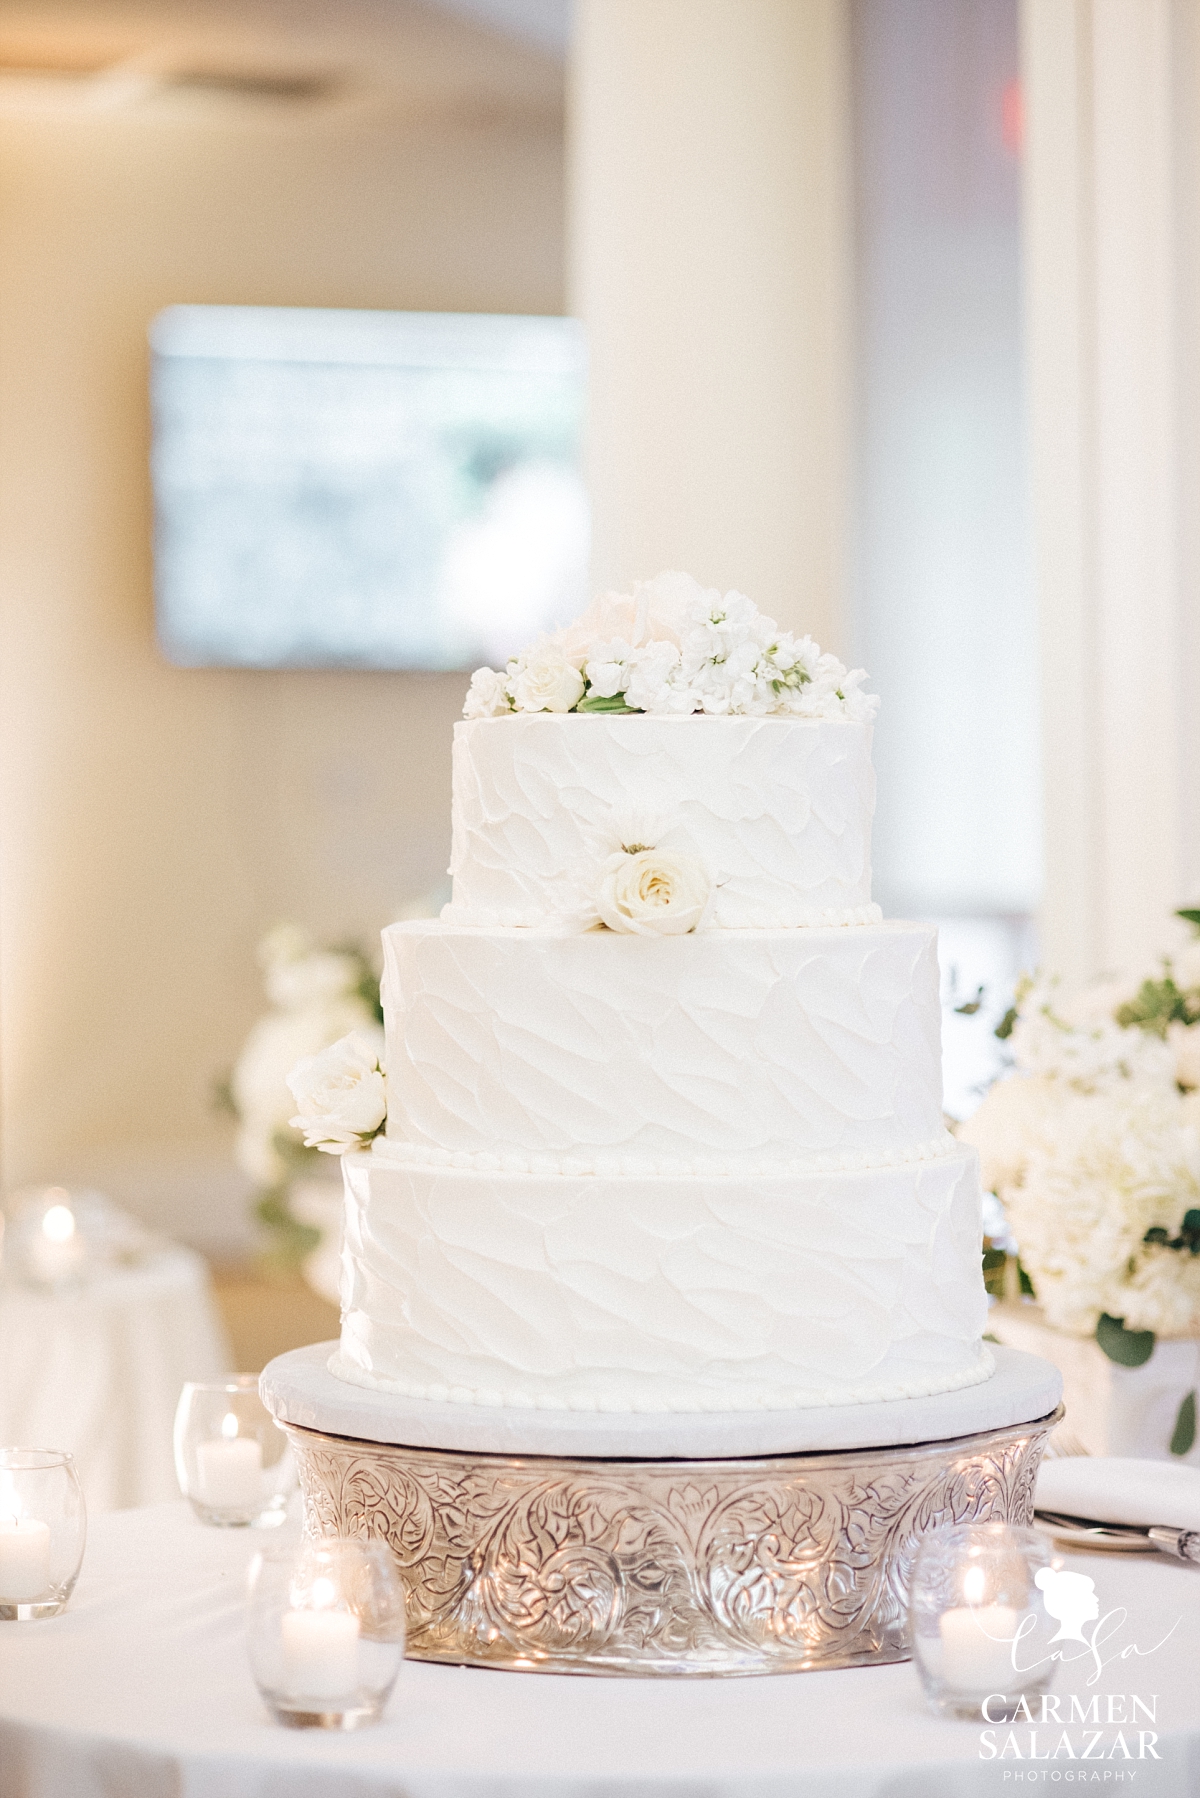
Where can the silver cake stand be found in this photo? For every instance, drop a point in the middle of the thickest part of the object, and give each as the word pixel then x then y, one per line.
pixel 748 1542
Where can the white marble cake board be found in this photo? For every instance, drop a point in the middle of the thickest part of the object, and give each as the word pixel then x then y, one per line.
pixel 298 1388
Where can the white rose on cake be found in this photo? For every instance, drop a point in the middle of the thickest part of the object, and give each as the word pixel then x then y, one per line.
pixel 653 892
pixel 545 681
pixel 340 1094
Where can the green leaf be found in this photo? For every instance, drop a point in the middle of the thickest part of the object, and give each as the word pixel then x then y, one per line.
pixel 1192 917
pixel 1128 1348
pixel 971 1007
pixel 1004 1028
pixel 1184 1433
pixel 1156 1004
pixel 988 1337
pixel 594 703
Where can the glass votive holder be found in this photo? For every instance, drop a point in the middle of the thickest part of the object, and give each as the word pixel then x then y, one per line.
pixel 978 1618
pixel 231 1457
pixel 325 1631
pixel 43 1526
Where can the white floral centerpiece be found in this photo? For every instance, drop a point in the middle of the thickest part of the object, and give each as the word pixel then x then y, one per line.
pixel 1092 1145
pixel 317 997
pixel 673 647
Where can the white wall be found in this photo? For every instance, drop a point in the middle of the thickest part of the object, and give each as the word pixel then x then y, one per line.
pixel 156 820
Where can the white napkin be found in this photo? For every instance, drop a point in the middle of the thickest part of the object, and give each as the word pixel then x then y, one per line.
pixel 1115 1490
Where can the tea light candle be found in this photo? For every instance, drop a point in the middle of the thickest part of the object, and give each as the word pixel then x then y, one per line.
pixel 229 1469
pixel 977 1640
pixel 57 1251
pixel 320 1648
pixel 24 1559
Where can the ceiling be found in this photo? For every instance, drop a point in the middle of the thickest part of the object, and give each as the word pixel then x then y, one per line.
pixel 406 56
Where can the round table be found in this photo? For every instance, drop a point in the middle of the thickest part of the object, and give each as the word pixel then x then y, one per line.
pixel 98 1371
pixel 142 1689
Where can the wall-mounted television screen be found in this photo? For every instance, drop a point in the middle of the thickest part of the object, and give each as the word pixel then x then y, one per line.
pixel 364 489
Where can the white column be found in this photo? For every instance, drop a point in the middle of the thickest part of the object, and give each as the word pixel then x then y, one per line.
pixel 1104 240
pixel 709 258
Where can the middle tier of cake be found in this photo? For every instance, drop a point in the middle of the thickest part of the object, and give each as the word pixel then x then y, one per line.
pixel 741 1051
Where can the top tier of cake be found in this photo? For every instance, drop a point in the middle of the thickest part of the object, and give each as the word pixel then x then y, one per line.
pixel 778 809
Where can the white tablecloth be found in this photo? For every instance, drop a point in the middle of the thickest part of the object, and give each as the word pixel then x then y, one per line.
pixel 142 1691
pixel 99 1372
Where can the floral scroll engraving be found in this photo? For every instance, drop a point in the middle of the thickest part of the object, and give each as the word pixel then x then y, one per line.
pixel 661 1567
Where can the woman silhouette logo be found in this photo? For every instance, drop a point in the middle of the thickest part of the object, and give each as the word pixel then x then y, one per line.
pixel 1070 1599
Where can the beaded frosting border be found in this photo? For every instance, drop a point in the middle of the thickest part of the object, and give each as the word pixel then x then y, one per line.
pixel 832 918
pixel 389 1152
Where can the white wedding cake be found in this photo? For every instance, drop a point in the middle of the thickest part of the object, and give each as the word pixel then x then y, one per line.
pixel 663 1092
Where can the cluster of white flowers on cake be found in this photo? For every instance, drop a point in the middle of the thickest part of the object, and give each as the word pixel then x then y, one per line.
pixel 674 647
pixel 1092 1144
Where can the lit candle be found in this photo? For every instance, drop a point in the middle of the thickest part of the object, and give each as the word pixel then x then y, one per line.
pixel 57 1249
pixel 229 1469
pixel 977 1641
pixel 24 1559
pixel 320 1647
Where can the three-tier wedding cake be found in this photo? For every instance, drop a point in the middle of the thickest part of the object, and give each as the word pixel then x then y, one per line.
pixel 663 1092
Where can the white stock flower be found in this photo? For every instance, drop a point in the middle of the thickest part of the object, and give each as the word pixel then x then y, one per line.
pixel 340 1094
pixel 657 892
pixel 654 684
pixel 487 695
pixel 609 668
pixel 545 681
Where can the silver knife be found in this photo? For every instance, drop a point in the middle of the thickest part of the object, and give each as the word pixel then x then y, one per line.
pixel 1184 1545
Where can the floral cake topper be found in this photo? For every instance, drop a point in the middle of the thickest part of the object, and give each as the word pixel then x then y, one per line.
pixel 672 647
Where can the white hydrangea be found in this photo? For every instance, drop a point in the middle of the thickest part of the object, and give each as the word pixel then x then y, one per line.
pixel 1114 1165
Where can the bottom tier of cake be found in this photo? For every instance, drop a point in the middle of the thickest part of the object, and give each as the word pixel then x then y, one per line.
pixel 663 1292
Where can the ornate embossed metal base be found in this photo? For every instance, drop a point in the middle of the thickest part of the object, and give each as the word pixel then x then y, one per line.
pixel 774 1564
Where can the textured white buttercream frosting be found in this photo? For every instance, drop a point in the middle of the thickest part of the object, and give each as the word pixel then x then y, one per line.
pixel 778 809
pixel 663 1293
pixel 630 1172
pixel 754 1046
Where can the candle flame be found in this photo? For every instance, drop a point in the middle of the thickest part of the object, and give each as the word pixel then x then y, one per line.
pixel 324 1594
pixel 974 1585
pixel 58 1224
pixel 229 1426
